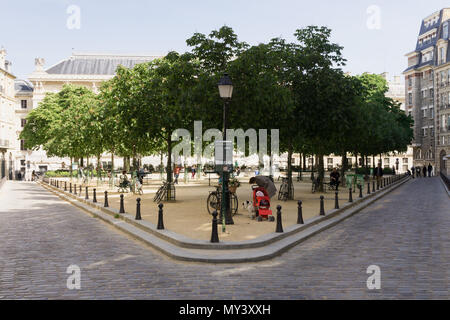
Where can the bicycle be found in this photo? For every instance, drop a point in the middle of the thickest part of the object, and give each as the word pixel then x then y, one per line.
pixel 214 201
pixel 283 193
pixel 161 192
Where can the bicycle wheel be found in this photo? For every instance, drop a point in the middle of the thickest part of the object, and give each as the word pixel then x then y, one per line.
pixel 234 204
pixel 283 190
pixel 158 194
pixel 213 203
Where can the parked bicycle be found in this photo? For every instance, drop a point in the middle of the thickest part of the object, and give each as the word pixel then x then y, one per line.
pixel 214 201
pixel 283 193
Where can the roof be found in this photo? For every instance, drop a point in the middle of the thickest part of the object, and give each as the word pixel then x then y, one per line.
pixel 97 64
pixel 23 86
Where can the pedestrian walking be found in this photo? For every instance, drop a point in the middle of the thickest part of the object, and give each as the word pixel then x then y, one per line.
pixel 413 172
pixel 430 169
pixel 176 173
pixel 194 171
pixel 418 171
pixel 424 170
pixel 378 173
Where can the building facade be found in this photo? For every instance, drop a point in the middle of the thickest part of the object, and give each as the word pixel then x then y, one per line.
pixel 427 89
pixel 88 70
pixel 7 116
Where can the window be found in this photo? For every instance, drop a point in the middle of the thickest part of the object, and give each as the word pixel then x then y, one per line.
pixel 432 131
pixel 386 162
pixel 405 161
pixel 22 163
pixel 24 104
pixel 424 132
pixel 22 145
pixel 410 98
pixel 442 55
pixel 424 113
pixel 409 81
pixel 431 113
pixel 23 122
pixel 445 30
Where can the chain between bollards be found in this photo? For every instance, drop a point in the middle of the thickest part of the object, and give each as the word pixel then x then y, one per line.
pixel 160 217
pixel 138 209
pixel 300 213
pixel 122 208
pixel 279 228
pixel 322 207
pixel 214 232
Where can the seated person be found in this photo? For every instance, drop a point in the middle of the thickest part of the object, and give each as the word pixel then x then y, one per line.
pixel 334 178
pixel 123 180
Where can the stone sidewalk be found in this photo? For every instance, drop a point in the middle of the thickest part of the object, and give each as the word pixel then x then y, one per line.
pixel 406 234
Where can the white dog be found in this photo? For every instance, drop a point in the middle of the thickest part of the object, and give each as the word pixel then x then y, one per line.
pixel 248 205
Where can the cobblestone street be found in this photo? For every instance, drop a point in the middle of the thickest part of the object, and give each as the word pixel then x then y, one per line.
pixel 406 234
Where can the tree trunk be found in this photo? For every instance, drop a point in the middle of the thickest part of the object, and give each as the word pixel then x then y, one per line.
pixel 344 167
pixel 320 171
pixel 169 160
pixel 289 173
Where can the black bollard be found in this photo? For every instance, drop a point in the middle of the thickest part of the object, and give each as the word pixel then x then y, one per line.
pixel 300 213
pixel 122 208
pixel 160 217
pixel 94 200
pixel 214 233
pixel 106 204
pixel 87 194
pixel 80 190
pixel 279 223
pixel 378 184
pixel 65 185
pixel 350 196
pixel 336 200
pixel 75 189
pixel 322 207
pixel 138 209
pixel 368 188
pixel 360 191
pixel 70 187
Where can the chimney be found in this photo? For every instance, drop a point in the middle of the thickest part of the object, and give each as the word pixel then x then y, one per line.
pixel 2 58
pixel 8 65
pixel 39 64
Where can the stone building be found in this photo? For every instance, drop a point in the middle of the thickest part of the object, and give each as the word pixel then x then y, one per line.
pixel 7 126
pixel 86 69
pixel 427 92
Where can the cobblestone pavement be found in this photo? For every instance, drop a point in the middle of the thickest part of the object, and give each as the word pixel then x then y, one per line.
pixel 406 234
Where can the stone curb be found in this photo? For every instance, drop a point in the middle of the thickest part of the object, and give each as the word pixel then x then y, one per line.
pixel 445 186
pixel 183 248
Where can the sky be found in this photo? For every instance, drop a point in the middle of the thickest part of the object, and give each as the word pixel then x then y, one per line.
pixel 375 35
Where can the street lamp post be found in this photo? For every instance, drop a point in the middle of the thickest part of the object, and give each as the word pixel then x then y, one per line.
pixel 226 91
